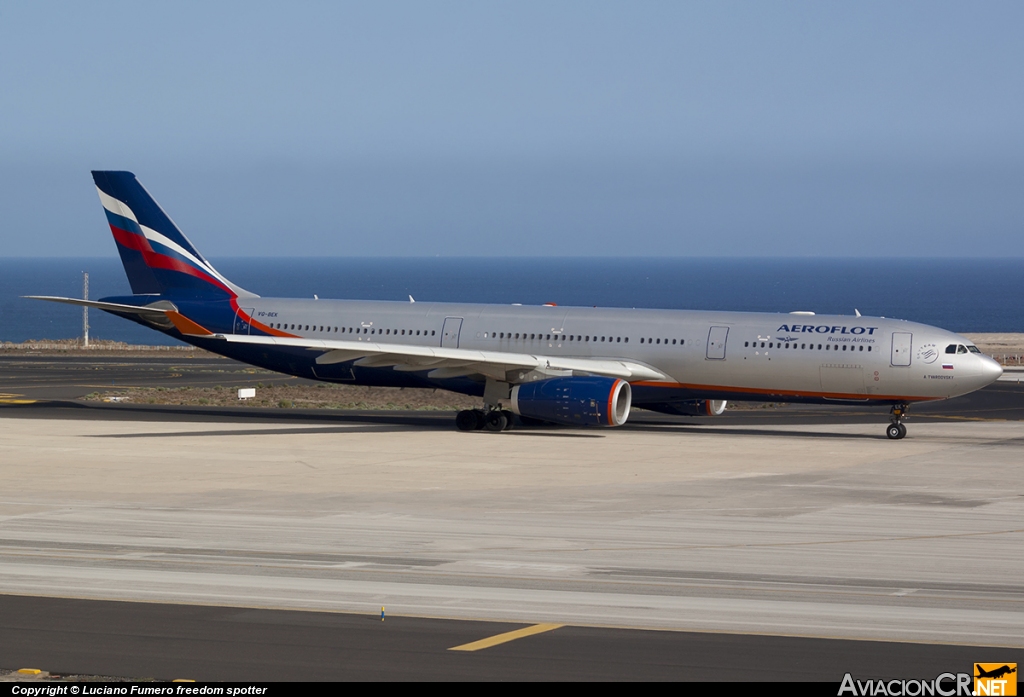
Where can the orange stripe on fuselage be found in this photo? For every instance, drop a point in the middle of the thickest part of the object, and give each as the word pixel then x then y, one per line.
pixel 259 325
pixel 782 393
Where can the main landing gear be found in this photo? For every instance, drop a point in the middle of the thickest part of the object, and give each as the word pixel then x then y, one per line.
pixel 477 419
pixel 896 430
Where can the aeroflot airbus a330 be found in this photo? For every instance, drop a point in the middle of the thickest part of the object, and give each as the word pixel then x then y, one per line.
pixel 567 365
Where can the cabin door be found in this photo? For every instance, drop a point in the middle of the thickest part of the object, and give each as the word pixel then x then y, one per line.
pixel 716 342
pixel 242 318
pixel 450 332
pixel 901 348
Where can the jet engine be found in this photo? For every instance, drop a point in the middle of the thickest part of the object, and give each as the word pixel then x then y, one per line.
pixel 574 401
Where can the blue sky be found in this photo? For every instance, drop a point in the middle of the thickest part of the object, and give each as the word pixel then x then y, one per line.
pixel 568 128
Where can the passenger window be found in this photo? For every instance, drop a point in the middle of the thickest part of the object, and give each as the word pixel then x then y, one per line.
pixel 433 332
pixel 861 348
pixel 641 340
pixel 746 344
pixel 618 340
pixel 770 344
pixel 869 349
pixel 626 340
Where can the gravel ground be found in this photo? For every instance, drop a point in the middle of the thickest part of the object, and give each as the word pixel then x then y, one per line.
pixel 322 396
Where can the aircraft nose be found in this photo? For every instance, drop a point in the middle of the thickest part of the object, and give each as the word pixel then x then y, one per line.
pixel 990 369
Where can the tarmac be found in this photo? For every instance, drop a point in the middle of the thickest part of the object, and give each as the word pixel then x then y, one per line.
pixel 789 543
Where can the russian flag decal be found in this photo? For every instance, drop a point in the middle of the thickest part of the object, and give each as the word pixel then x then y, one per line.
pixel 947 366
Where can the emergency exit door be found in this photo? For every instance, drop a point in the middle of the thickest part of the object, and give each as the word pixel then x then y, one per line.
pixel 716 342
pixel 450 332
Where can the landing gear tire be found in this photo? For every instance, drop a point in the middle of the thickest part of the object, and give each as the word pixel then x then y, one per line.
pixel 468 420
pixel 510 420
pixel 896 431
pixel 495 421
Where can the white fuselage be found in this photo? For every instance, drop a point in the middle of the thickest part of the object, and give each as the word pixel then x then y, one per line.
pixel 720 355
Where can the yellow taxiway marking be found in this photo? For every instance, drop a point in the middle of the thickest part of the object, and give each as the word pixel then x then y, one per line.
pixel 506 637
pixel 12 398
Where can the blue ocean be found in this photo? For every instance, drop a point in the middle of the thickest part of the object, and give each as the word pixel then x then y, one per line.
pixel 964 295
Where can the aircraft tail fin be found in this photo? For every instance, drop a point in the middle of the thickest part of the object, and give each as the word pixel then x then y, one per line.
pixel 157 256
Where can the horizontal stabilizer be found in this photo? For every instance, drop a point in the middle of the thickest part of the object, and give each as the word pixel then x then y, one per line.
pixel 110 307
pixel 160 312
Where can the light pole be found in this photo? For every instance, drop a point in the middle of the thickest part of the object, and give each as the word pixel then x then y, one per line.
pixel 85 309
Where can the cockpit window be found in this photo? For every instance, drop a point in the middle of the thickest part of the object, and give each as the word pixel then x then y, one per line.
pixel 973 349
pixel 961 349
pixel 951 348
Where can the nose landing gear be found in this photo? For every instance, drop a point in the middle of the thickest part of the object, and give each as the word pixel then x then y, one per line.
pixel 896 430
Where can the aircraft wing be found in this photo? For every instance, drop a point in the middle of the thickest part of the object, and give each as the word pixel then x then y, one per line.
pixel 450 362
pixel 441 362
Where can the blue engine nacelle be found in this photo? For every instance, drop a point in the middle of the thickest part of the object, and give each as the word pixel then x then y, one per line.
pixel 583 401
